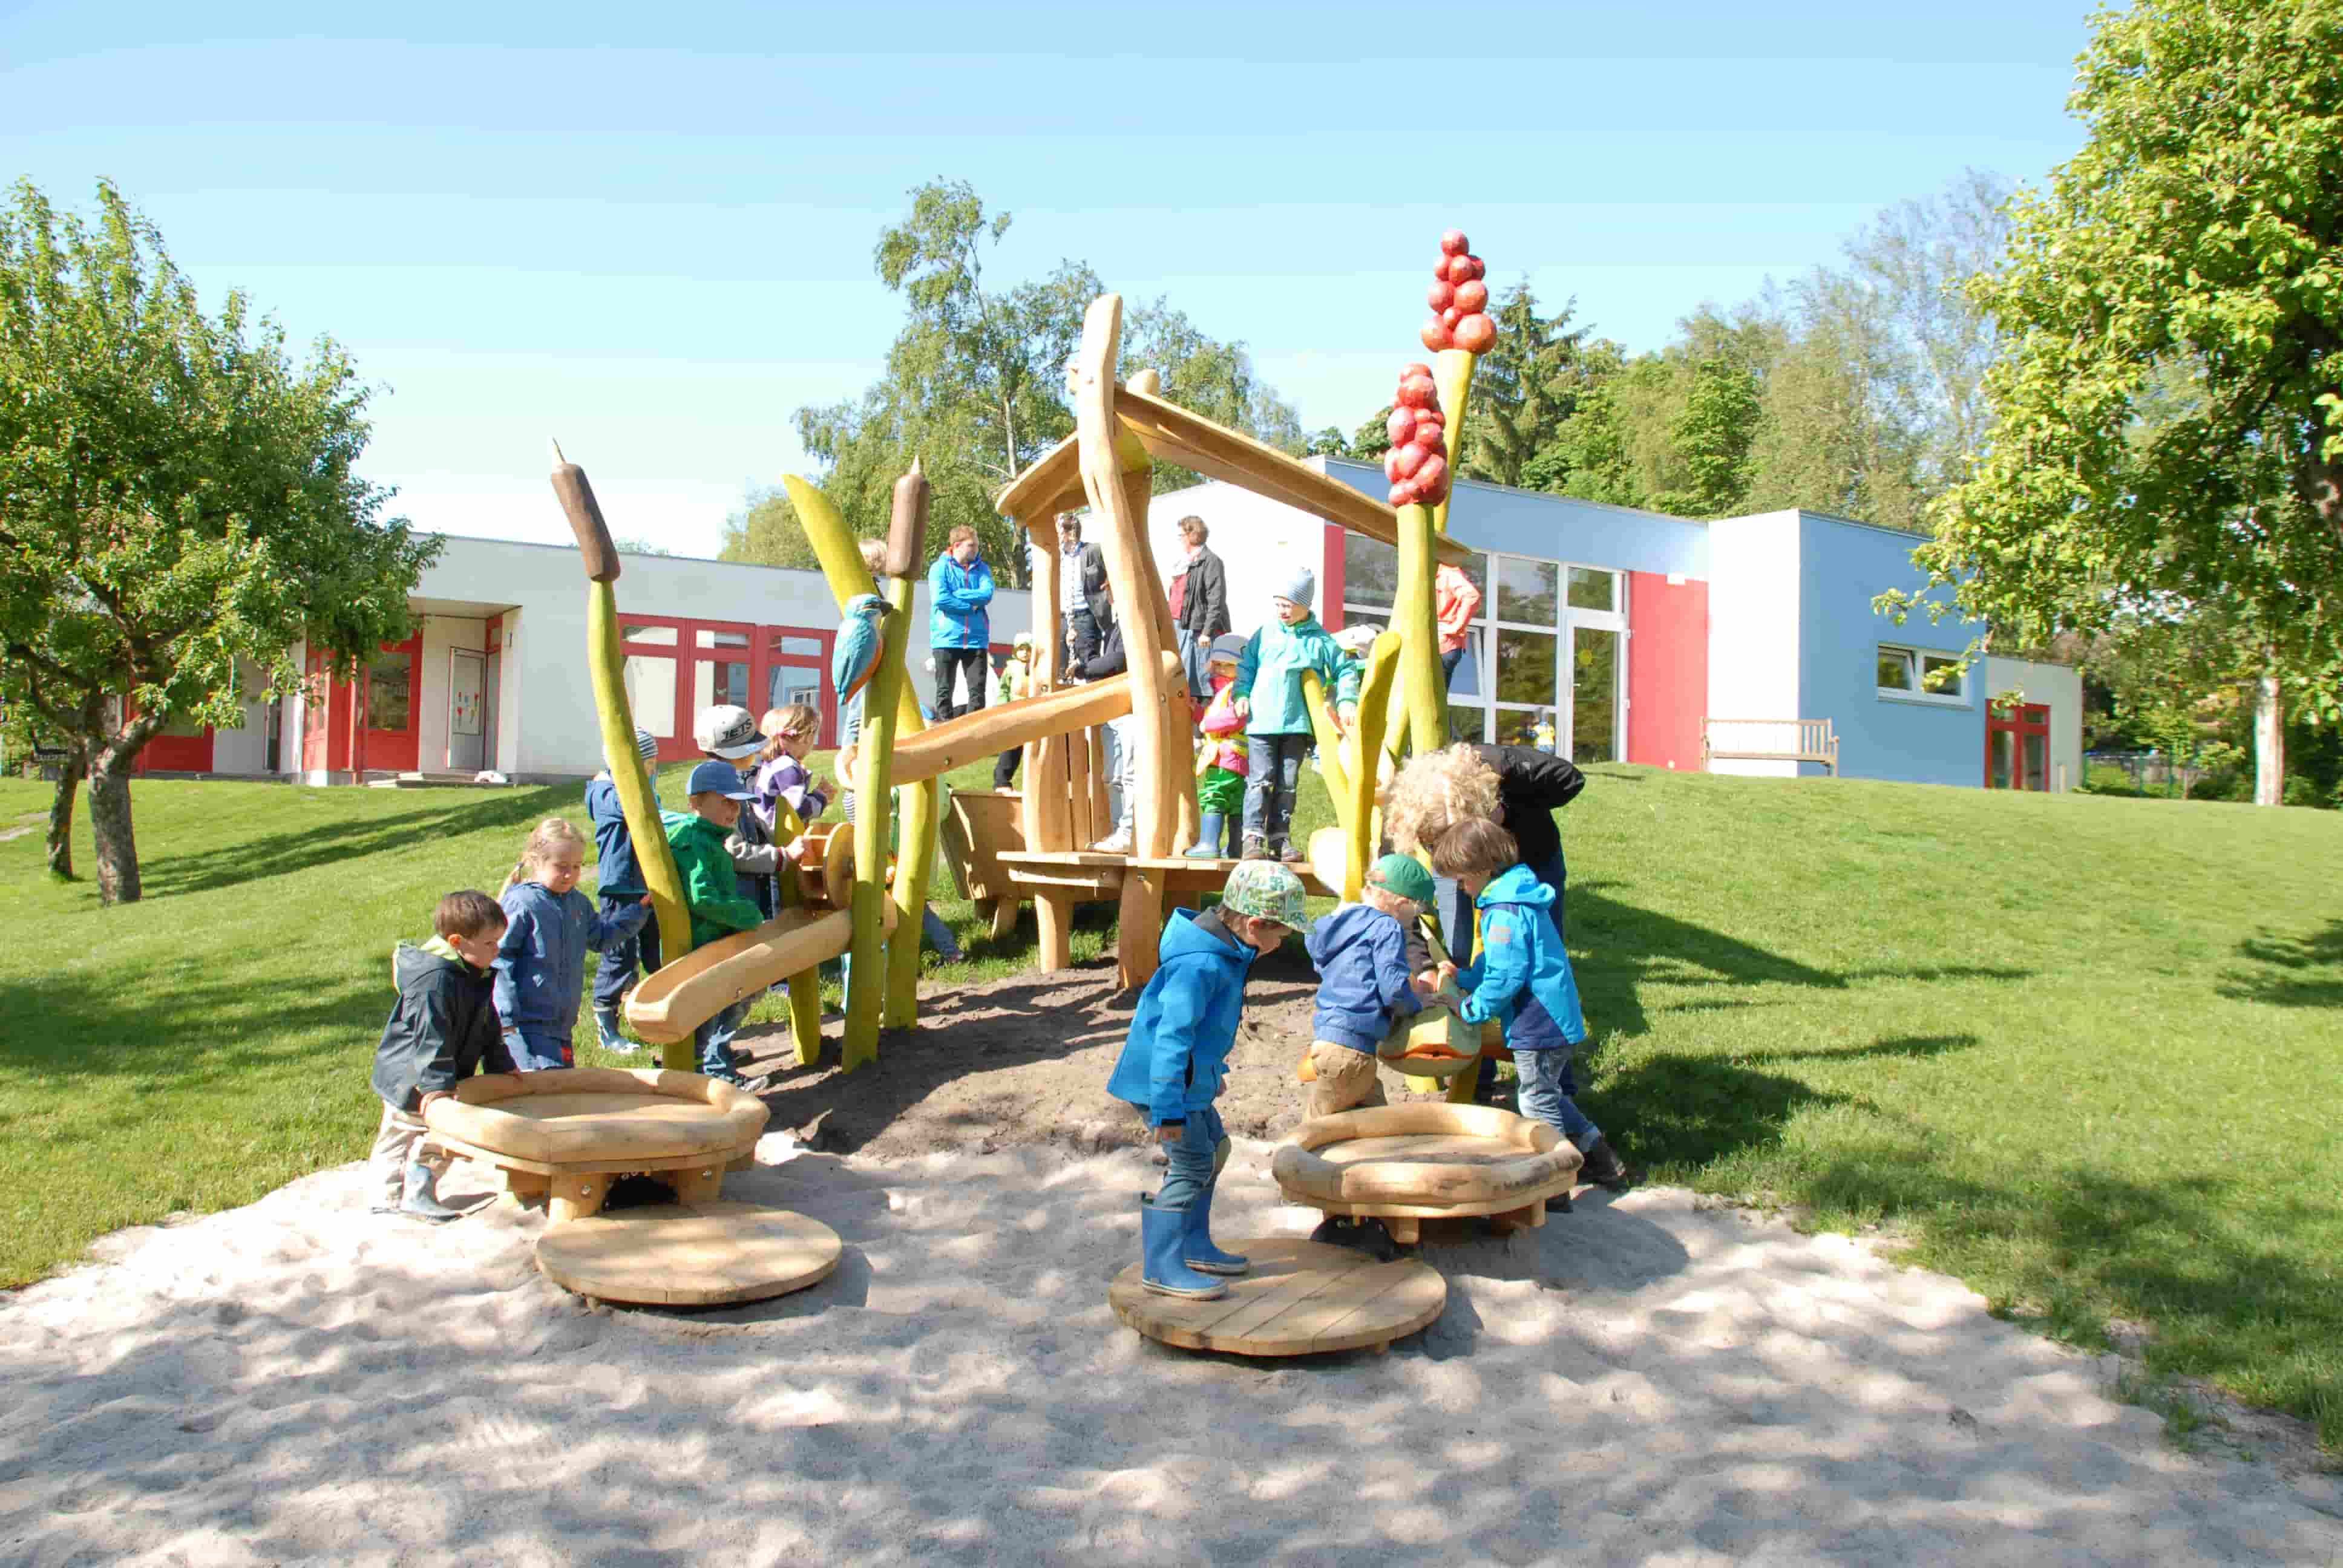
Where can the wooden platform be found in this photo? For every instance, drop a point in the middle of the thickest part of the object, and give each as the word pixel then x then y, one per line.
pixel 688 1254
pixel 1100 876
pixel 1407 1163
pixel 1301 1298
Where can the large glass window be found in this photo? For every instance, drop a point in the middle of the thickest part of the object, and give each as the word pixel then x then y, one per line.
pixel 1592 589
pixel 1526 666
pixel 650 692
pixel 663 636
pixel 794 683
pixel 388 680
pixel 1370 574
pixel 1528 590
pixel 1593 695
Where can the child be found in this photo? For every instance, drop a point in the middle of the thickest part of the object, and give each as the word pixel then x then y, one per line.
pixel 1522 977
pixel 1016 683
pixel 1356 641
pixel 717 910
pixel 443 1026
pixel 1277 727
pixel 1373 970
pixel 619 882
pixel 1220 760
pixel 727 733
pixel 780 778
pixel 1177 1056
pixel 541 962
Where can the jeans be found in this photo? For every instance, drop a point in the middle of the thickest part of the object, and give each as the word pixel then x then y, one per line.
pixel 1120 755
pixel 1273 772
pixel 1194 652
pixel 1455 911
pixel 541 1051
pixel 950 663
pixel 1448 663
pixel 1195 1162
pixel 1004 767
pixel 1543 1099
pixel 714 1040
pixel 617 975
pixel 1082 635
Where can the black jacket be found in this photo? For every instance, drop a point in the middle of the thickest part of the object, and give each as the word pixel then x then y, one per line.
pixel 442 1029
pixel 1532 784
pixel 1204 610
pixel 1110 658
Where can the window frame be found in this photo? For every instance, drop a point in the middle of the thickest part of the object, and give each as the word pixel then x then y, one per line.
pixel 1917 657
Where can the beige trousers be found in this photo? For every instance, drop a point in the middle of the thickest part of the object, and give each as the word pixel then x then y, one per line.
pixel 399 1142
pixel 1347 1078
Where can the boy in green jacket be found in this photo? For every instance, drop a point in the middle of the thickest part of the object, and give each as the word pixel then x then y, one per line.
pixel 1277 717
pixel 717 909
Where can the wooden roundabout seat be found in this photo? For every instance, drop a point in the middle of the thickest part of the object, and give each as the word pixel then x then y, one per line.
pixel 1427 1161
pixel 568 1134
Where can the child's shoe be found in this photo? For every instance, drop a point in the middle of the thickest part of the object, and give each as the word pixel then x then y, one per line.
pixel 1368 1236
pixel 606 1029
pixel 756 1085
pixel 1118 843
pixel 1197 1250
pixel 1288 853
pixel 1256 847
pixel 1207 846
pixel 421 1198
pixel 1163 1235
pixel 1603 1166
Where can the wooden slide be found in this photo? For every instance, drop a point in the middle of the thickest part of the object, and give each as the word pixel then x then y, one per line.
pixel 686 993
pixel 990 732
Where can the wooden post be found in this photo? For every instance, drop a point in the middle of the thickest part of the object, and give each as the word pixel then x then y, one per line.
pixel 805 987
pixel 613 716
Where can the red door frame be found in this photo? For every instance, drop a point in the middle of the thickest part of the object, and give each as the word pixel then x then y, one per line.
pixel 2019 720
pixel 398 750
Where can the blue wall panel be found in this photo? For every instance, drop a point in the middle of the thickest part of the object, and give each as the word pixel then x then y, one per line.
pixel 1556 528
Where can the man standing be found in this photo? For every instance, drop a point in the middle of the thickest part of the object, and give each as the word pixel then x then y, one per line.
pixel 1082 589
pixel 960 585
pixel 1200 604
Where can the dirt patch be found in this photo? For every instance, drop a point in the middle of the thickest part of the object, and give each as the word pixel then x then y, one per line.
pixel 1025 1061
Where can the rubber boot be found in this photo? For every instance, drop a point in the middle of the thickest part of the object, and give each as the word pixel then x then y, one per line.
pixel 1603 1166
pixel 1198 1251
pixel 421 1198
pixel 1207 846
pixel 606 1029
pixel 1161 1232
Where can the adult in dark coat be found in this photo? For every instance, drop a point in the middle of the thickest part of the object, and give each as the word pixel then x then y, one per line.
pixel 1199 603
pixel 1083 595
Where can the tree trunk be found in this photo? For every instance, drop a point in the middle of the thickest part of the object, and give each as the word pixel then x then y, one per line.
pixel 61 812
pixel 2269 742
pixel 109 824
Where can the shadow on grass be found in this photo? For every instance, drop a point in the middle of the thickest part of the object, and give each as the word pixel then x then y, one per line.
pixel 348 838
pixel 2309 969
pixel 181 1032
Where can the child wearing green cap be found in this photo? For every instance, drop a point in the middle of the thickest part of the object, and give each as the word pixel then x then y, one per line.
pixel 1373 969
pixel 1172 1066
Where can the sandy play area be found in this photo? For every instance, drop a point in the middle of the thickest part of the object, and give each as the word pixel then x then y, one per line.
pixel 1650 1380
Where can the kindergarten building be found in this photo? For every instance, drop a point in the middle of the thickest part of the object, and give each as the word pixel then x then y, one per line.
pixel 1635 634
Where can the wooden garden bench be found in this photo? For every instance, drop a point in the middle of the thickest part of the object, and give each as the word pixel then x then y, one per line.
pixel 1770 741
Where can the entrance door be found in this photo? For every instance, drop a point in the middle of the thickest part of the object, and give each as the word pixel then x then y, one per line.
pixel 2017 747
pixel 1594 694
pixel 492 677
pixel 466 710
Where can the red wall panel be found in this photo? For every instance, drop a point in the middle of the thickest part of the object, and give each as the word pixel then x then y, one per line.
pixel 1667 670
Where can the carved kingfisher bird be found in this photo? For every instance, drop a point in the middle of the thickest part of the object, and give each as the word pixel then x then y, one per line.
pixel 855 656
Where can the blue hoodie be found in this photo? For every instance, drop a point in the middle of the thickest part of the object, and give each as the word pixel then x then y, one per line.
pixel 957 596
pixel 616 870
pixel 1186 1023
pixel 541 962
pixel 1522 976
pixel 1362 974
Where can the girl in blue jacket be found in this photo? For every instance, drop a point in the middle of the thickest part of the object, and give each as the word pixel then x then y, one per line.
pixel 1522 977
pixel 540 967
pixel 1177 1057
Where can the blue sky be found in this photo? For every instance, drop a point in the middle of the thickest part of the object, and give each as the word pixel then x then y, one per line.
pixel 648 231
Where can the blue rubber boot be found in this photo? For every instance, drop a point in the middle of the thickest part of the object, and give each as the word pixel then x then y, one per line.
pixel 1197 1250
pixel 1161 1232
pixel 606 1029
pixel 421 1196
pixel 1207 846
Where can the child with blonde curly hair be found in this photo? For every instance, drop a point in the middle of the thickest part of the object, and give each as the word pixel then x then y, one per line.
pixel 540 968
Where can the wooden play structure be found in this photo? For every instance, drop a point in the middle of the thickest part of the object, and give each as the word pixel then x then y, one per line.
pixel 1300 1298
pixel 1423 1160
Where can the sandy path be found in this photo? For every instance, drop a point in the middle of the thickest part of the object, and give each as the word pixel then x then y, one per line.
pixel 1649 1381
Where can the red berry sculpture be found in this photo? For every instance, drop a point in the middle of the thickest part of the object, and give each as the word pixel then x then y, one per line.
pixel 1417 463
pixel 1459 300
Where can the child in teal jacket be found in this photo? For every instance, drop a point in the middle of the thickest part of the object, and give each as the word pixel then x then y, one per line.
pixel 1277 717
pixel 1177 1057
pixel 1522 977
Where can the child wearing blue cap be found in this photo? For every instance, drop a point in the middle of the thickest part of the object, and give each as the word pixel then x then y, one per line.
pixel 712 894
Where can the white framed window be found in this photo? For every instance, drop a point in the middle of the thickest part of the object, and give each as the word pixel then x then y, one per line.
pixel 1920 674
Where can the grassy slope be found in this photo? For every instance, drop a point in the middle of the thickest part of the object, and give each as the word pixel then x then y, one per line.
pixel 2083 1051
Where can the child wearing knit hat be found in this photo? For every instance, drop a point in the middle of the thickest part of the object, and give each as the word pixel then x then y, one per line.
pixel 1277 720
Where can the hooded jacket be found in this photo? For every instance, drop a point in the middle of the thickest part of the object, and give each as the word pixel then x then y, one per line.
pixel 1361 956
pixel 442 1029
pixel 616 870
pixel 1186 1022
pixel 541 963
pixel 1532 786
pixel 1522 976
pixel 1268 674
pixel 709 887
pixel 957 596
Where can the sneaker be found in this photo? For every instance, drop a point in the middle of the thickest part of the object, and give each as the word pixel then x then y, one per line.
pixel 1118 843
pixel 1256 847
pixel 756 1085
pixel 1288 854
pixel 1603 1166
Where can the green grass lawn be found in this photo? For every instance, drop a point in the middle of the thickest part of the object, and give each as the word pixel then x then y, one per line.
pixel 2085 1053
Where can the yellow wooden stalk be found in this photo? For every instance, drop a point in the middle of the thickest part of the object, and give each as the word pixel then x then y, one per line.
pixel 805 986
pixel 915 866
pixel 1415 618
pixel 1330 744
pixel 1451 372
pixel 1359 816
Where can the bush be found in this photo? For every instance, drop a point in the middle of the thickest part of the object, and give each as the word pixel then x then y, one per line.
pixel 2231 784
pixel 2302 790
pixel 2107 779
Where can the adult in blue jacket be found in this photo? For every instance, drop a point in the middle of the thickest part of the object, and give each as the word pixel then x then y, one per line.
pixel 960 585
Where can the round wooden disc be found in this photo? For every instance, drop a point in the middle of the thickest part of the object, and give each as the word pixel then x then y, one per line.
pixel 1300 1298
pixel 688 1254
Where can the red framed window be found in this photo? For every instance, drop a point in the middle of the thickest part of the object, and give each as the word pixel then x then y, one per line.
pixel 676 666
pixel 2017 746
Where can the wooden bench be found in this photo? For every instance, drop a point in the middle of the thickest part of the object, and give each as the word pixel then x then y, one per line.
pixel 1770 741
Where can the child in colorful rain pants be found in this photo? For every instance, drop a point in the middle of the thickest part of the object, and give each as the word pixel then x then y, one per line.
pixel 1277 717
pixel 1220 760
pixel 1172 1066
pixel 541 962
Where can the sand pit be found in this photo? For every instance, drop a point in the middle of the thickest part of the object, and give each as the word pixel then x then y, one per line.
pixel 1647 1380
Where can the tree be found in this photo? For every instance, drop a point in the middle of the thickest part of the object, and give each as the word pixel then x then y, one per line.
pixel 766 531
pixel 1329 442
pixel 1711 436
pixel 1523 388
pixel 177 505
pixel 2196 235
pixel 975 382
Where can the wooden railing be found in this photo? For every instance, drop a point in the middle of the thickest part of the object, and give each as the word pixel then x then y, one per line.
pixel 1769 740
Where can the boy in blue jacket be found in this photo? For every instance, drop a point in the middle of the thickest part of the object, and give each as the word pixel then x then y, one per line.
pixel 1174 1064
pixel 619 882
pixel 1522 977
pixel 1373 971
